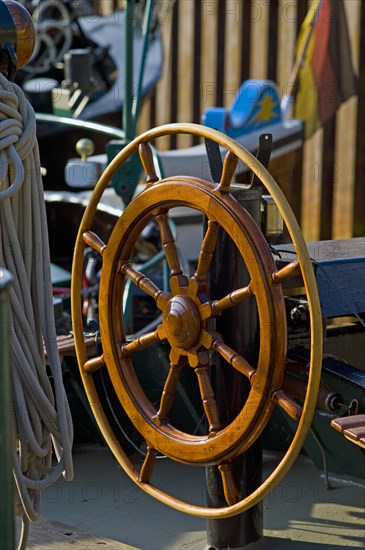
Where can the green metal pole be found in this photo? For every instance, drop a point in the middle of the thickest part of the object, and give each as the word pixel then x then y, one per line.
pixel 145 34
pixel 126 179
pixel 128 66
pixel 7 530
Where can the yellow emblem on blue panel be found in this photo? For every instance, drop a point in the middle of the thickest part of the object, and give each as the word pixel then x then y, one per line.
pixel 266 109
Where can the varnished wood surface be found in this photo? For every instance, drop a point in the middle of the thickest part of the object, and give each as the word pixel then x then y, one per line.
pixel 66 344
pixel 182 325
pixel 339 268
pixel 187 341
pixel 329 250
pixel 352 427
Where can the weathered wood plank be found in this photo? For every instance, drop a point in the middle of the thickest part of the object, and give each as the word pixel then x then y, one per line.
pixel 45 534
pixel 185 65
pixel 352 427
pixel 209 27
pixel 246 42
pixel 233 48
pixel 339 268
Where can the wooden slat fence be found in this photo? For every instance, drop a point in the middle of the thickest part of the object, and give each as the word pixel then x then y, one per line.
pixel 212 46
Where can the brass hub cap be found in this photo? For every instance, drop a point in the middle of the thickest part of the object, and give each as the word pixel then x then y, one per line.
pixel 182 322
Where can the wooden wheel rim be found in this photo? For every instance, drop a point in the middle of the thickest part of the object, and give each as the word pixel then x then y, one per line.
pixel 247 426
pixel 313 305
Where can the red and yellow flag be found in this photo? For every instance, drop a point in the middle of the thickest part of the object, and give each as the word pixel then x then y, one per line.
pixel 326 76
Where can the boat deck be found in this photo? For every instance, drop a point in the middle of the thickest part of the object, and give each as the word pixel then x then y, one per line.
pixel 101 507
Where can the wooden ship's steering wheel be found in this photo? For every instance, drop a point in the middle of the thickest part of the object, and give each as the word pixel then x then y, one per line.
pixel 185 324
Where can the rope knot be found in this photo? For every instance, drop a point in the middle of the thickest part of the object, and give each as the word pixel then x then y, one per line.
pixel 17 136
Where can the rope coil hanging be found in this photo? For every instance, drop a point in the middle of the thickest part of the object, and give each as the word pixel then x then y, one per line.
pixel 41 419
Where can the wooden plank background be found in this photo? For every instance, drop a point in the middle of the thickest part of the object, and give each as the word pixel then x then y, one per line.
pixel 211 46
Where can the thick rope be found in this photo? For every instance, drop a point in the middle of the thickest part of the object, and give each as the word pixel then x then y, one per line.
pixel 42 425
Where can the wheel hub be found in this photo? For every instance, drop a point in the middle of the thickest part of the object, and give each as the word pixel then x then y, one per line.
pixel 182 322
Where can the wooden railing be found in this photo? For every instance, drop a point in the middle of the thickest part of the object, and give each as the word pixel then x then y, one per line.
pixel 211 46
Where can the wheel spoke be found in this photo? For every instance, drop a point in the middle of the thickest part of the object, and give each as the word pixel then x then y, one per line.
pixel 145 154
pixel 142 342
pixel 230 489
pixel 94 364
pixel 205 256
pixel 168 241
pixel 287 404
pixel 148 465
pixel 169 390
pixel 216 343
pixel 287 272
pixel 215 308
pixel 94 241
pixel 145 284
pixel 208 398
pixel 229 167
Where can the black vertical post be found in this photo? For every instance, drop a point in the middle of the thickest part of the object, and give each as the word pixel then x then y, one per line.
pixel 328 176
pixel 174 86
pixel 359 191
pixel 272 45
pixel 7 528
pixel 239 328
pixel 220 40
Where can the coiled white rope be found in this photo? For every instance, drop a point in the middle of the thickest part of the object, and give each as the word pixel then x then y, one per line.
pixel 42 425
